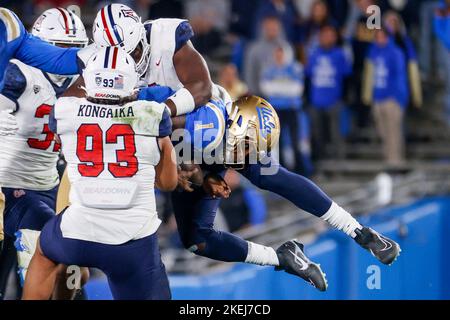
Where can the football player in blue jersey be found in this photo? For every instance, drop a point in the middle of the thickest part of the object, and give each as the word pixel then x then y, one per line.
pixel 16 42
pixel 253 123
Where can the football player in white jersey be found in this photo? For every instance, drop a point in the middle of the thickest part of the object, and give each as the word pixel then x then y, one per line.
pixel 28 174
pixel 114 160
pixel 163 53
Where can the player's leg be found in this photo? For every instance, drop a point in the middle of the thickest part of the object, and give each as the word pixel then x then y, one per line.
pixel 195 213
pixel 309 197
pixel 66 288
pixel 62 252
pixel 8 258
pixel 135 270
pixel 41 277
pixel 26 213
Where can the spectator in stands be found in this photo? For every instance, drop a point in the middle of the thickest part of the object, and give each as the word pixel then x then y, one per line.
pixel 361 38
pixel 385 85
pixel 243 18
pixel 285 11
pixel 166 9
pixel 327 69
pixel 319 17
pixel 229 79
pixel 217 12
pixel 395 26
pixel 442 30
pixel 207 38
pixel 282 84
pixel 256 56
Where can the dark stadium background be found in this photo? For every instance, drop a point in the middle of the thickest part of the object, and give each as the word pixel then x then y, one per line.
pixel 407 200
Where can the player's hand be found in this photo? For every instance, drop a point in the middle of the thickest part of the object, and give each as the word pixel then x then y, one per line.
pixel 189 176
pixel 8 123
pixel 215 186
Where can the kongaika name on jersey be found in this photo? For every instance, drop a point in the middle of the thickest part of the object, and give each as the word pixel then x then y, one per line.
pixel 88 110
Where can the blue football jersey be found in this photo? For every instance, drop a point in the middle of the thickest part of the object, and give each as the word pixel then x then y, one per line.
pixel 16 42
pixel 205 126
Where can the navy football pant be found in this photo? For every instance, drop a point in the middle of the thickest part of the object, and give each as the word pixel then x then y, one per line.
pixel 134 269
pixel 27 209
pixel 195 212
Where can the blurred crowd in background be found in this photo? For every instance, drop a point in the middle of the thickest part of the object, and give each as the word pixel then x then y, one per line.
pixel 328 75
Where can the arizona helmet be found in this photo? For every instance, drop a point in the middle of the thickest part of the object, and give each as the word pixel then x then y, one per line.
pixel 117 25
pixel 60 26
pixel 253 123
pixel 110 74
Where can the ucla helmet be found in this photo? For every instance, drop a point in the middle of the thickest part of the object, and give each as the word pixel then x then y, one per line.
pixel 253 130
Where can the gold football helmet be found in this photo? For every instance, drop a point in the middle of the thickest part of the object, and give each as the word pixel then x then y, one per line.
pixel 253 130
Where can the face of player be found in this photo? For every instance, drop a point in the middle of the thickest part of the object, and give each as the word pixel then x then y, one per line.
pixel 137 53
pixel 239 155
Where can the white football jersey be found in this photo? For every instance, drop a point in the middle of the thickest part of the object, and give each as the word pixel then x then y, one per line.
pixel 161 70
pixel 28 159
pixel 111 167
pixel 164 40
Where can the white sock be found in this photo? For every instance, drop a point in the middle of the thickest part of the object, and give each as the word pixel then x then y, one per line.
pixel 262 255
pixel 341 220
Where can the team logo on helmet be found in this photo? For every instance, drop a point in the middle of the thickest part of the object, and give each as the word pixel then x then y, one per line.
pixel 128 13
pixel 38 23
pixel 98 81
pixel 266 120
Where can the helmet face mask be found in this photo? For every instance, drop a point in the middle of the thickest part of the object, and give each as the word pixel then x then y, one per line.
pixel 252 132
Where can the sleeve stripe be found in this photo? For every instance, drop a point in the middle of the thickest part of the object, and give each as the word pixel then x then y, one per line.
pixel 11 23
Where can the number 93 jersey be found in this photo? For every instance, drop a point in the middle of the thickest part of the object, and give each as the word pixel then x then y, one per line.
pixel 28 159
pixel 111 163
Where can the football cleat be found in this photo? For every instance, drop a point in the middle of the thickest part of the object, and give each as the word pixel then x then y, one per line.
pixel 294 261
pixel 381 247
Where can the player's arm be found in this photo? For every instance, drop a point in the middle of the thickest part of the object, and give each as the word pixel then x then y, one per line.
pixel 14 86
pixel 193 73
pixel 42 55
pixel 166 169
pixel 36 52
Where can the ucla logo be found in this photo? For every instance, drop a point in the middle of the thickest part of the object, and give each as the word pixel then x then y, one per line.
pixel 266 121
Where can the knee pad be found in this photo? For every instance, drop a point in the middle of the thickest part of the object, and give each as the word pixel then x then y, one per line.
pixel 26 242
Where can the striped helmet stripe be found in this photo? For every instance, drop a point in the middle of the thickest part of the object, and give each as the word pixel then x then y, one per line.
pixel 113 25
pixel 66 21
pixel 114 59
pixel 105 25
pixel 72 19
pixel 106 63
